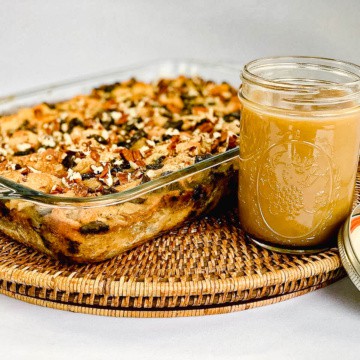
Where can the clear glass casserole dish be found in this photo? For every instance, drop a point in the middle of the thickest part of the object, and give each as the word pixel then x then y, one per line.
pixel 93 229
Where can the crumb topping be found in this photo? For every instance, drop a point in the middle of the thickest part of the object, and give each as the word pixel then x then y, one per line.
pixel 118 136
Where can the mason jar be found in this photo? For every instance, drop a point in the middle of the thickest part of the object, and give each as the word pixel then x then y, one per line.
pixel 299 145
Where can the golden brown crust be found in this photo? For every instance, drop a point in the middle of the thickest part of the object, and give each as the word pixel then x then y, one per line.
pixel 117 137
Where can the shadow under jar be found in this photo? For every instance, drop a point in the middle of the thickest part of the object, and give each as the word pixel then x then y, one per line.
pixel 299 146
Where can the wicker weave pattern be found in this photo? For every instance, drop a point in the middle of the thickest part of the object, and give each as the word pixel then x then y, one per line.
pixel 204 267
pixel 163 312
pixel 184 271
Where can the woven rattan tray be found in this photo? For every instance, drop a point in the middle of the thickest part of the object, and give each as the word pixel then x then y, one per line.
pixel 204 267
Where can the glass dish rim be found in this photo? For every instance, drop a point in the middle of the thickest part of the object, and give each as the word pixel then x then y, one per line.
pixel 10 190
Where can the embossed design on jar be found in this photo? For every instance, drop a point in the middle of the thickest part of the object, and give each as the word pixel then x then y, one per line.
pixel 252 141
pixel 294 188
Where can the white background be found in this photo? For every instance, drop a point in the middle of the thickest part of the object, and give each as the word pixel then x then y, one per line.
pixel 42 42
pixel 45 41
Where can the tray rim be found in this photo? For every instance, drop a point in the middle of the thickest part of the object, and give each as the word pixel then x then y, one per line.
pixel 214 309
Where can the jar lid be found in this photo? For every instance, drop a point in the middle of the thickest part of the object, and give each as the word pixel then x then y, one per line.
pixel 349 246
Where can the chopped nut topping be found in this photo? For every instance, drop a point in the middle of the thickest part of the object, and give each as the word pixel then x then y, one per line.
pixel 116 115
pixel 133 165
pixel 105 134
pixel 172 132
pixel 108 180
pixel 123 132
pixel 64 127
pixel 143 150
pixel 216 135
pixel 33 170
pixel 151 174
pixel 118 162
pixel 56 189
pixel 97 169
pixel 23 147
pixel 48 141
pixel 151 143
pixel 73 175
pixel 65 183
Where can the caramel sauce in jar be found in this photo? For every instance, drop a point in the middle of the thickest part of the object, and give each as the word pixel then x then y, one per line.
pixel 299 146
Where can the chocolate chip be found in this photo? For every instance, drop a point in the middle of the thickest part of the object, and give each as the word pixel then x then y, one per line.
pixel 174 124
pixel 87 176
pixel 119 168
pixel 166 137
pixel 202 121
pixel 26 126
pixel 107 121
pixel 98 138
pixel 69 160
pixel 73 246
pixel 124 144
pixel 4 210
pixel 73 123
pixel 232 116
pixel 94 227
pixel 45 241
pixel 139 134
pixel 138 201
pixel 63 258
pixel 199 193
pixel 25 152
pixel 130 127
pixel 145 179
pixel 187 97
pixel 108 88
pixel 50 106
pixel 166 113
pixel 108 190
pixel 192 214
pixel 157 164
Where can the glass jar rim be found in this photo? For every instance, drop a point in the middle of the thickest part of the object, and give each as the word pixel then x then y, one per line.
pixel 313 62
pixel 301 82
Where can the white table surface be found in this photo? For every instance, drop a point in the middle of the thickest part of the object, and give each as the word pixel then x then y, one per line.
pixel 42 42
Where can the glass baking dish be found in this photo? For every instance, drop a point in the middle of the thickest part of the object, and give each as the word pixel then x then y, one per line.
pixel 93 229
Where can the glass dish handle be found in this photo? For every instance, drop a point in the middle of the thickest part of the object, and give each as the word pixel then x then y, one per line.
pixel 7 193
pixel 9 190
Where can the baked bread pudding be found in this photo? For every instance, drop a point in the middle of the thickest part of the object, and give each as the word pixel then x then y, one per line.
pixel 111 140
